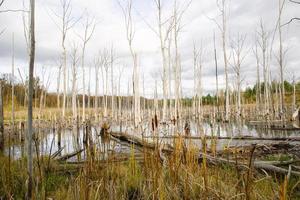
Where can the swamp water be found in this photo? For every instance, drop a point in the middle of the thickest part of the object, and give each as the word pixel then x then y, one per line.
pixel 48 138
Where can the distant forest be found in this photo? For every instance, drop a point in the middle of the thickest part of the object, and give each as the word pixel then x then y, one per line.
pixel 42 97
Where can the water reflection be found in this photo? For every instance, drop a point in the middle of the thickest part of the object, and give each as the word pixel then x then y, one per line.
pixel 70 142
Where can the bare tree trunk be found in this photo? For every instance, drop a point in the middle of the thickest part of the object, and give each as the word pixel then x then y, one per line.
pixel 112 82
pixel 282 107
pixel 195 96
pixel 30 96
pixel 277 90
pixel 127 11
pixel 13 88
pixel 119 95
pixel 263 46
pixel 66 24
pixel 89 92
pixel 199 107
pixel 74 82
pixel 294 93
pixel 137 117
pixel 25 88
pixel 97 65
pixel 223 11
pixel 144 98
pixel 68 88
pixel 103 67
pixel 1 120
pixel 64 57
pixel 170 76
pixel 58 88
pixel 163 38
pixel 238 58
pixel 176 66
pixel 155 97
pixel 83 82
pixel 258 86
pixel 217 80
pixel 89 28
pixel 106 90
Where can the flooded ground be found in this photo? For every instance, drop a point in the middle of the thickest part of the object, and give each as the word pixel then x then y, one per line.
pixel 48 138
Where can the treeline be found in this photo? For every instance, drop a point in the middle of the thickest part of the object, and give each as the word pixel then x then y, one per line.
pixel 41 97
pixel 249 94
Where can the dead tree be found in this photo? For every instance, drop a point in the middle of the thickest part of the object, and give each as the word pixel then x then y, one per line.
pixel 13 86
pixel 67 22
pixel 263 43
pixel 120 72
pixel 97 63
pixel 223 28
pixel 217 78
pixel 198 62
pixel 74 66
pixel 30 97
pixel 282 106
pixel 164 32
pixel 127 12
pixel 258 84
pixel 89 28
pixel 58 86
pixel 112 60
pixel 294 93
pixel 238 57
pixel 195 58
pixel 104 74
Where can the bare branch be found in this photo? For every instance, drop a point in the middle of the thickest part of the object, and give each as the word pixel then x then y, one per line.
pixel 13 10
pixel 216 22
pixel 146 22
pixel 1 2
pixel 291 20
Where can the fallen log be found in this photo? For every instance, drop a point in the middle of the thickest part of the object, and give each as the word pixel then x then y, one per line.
pixel 136 141
pixel 55 154
pixel 70 155
pixel 257 165
pixel 284 128
pixel 296 139
pixel 287 162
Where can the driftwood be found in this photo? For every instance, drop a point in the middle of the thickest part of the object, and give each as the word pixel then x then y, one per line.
pixel 70 155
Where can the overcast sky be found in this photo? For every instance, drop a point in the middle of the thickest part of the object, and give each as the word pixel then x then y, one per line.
pixel 243 18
